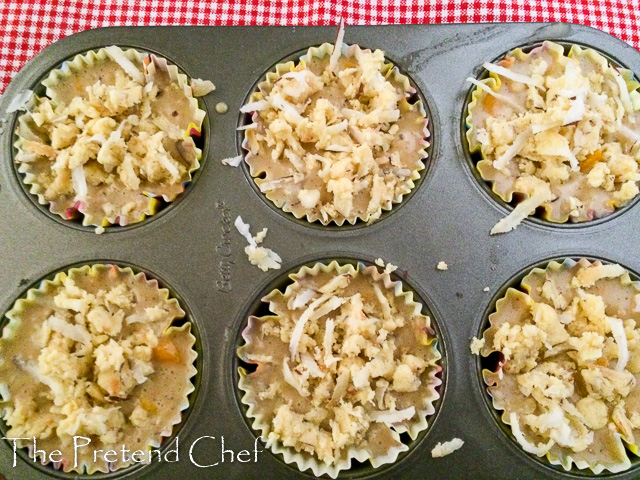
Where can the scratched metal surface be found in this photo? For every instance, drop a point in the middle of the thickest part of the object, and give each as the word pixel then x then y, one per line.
pixel 194 250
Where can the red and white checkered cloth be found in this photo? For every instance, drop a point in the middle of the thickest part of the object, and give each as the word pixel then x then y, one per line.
pixel 27 26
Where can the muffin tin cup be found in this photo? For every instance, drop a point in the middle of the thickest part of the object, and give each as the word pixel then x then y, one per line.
pixel 195 247
pixel 475 156
pixel 413 100
pixel 360 467
pixel 45 86
pixel 491 363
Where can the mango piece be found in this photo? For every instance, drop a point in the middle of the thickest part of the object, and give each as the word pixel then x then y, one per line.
pixel 166 351
pixel 590 161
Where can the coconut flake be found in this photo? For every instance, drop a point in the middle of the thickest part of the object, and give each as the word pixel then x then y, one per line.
pixel 248 126
pixel 290 112
pixel 291 379
pixel 446 448
pixel 327 342
pixel 295 160
pixel 136 318
pixel 338 148
pixel 513 150
pixel 233 161
pixel 20 101
pixel 340 281
pixel 337 47
pixel 522 211
pixel 307 315
pixel 302 298
pixel 311 365
pixel 630 134
pixel 539 450
pixel 323 308
pixel 392 416
pixel 243 228
pixel 169 167
pixel 342 383
pixel 127 65
pixel 77 333
pixel 381 388
pixel 199 87
pixel 361 377
pixel 576 112
pixel 254 106
pixel 499 96
pixel 270 185
pixel 619 335
pixel 516 77
pixel 573 161
pixel 79 182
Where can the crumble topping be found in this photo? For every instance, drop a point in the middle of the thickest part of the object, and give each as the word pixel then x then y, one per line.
pixel 446 448
pixel 263 258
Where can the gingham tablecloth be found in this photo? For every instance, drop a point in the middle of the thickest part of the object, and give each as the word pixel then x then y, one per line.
pixel 28 26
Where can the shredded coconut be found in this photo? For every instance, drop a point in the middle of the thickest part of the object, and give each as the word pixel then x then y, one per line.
pixel 263 258
pixel 233 161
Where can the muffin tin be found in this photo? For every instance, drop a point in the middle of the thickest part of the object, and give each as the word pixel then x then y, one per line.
pixel 194 250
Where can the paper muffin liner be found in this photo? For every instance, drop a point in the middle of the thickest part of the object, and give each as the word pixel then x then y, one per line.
pixel 38 297
pixel 501 184
pixel 515 304
pixel 391 73
pixel 303 460
pixel 68 81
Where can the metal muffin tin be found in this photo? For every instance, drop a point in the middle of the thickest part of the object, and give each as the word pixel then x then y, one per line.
pixel 193 248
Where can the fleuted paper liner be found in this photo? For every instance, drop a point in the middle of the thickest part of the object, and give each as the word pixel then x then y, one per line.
pixel 504 185
pixel 176 375
pixel 261 411
pixel 315 57
pixel 607 452
pixel 176 103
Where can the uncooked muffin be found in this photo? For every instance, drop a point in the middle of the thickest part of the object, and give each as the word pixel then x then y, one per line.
pixel 561 133
pixel 93 353
pixel 110 138
pixel 334 136
pixel 346 362
pixel 567 380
